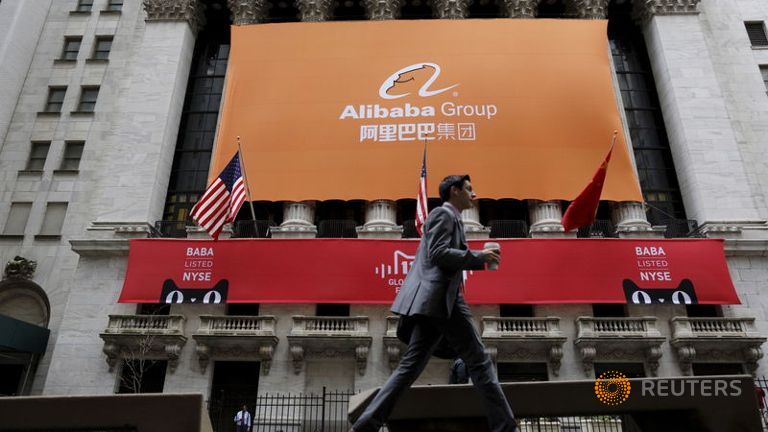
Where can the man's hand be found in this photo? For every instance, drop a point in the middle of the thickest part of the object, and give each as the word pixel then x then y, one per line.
pixel 491 256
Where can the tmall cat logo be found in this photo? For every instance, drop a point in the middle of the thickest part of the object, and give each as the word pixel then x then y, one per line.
pixel 403 82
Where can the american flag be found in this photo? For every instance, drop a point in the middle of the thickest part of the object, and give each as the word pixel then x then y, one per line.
pixel 421 199
pixel 222 200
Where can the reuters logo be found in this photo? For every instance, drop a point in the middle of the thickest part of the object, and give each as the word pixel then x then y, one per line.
pixel 612 388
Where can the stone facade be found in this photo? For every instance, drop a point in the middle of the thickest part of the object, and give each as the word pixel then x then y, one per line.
pixel 715 111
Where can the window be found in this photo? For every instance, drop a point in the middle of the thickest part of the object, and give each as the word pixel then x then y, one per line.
pixel 756 33
pixel 332 309
pixel 88 99
pixel 516 310
pixel 247 309
pixel 17 218
pixel 73 152
pixel 630 370
pixel 115 5
pixel 71 47
pixel 153 309
pixel 53 219
pixel 703 310
pixel 55 99
pixel 102 47
pixel 522 372
pixel 609 310
pixel 84 5
pixel 37 156
pixel 140 374
pixel 764 71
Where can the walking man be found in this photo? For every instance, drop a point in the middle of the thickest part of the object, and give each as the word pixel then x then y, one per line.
pixel 431 306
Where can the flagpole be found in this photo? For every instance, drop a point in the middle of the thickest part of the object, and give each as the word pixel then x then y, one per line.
pixel 245 180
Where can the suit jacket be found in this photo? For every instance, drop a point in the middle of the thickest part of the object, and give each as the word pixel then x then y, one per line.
pixel 433 282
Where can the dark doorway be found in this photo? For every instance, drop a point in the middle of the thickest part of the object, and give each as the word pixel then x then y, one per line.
pixel 142 376
pixel 234 383
pixel 516 372
pixel 630 370
pixel 700 369
pixel 10 379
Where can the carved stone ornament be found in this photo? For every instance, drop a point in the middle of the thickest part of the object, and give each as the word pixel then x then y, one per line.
pixel 591 9
pixel 19 268
pixel 247 11
pixel 521 8
pixel 383 9
pixel 315 10
pixel 644 10
pixel 191 11
pixel 451 9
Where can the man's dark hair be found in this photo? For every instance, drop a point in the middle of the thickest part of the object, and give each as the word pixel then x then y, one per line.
pixel 451 180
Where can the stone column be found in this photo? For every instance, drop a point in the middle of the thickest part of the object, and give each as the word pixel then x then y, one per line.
pixel 521 8
pixel 472 226
pixel 591 9
pixel 546 217
pixel 451 9
pixel 315 10
pixel 247 11
pixel 383 9
pixel 630 220
pixel 380 217
pixel 148 114
pixel 298 221
pixel 699 127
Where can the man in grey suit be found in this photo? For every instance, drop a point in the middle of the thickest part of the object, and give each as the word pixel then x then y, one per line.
pixel 431 306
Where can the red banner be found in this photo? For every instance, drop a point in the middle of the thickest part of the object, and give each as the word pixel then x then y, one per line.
pixel 370 271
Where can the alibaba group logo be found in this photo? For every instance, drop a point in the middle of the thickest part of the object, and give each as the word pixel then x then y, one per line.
pixel 612 388
pixel 404 82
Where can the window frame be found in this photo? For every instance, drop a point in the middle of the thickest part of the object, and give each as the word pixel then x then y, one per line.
pixel 46 223
pixel 68 54
pixel 5 232
pixel 97 53
pixel 37 145
pixel 761 44
pixel 84 6
pixel 83 103
pixel 49 102
pixel 66 156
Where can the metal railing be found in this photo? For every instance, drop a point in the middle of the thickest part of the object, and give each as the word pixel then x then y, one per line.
pixel 683 228
pixel 305 412
pixel 540 326
pixel 502 228
pixel 171 229
pixel 329 325
pixel 599 229
pixel 718 327
pixel 409 229
pixel 621 327
pixel 337 228
pixel 145 324
pixel 252 229
pixel 236 325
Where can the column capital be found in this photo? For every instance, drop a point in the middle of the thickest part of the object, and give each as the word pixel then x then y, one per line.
pixel 591 9
pixel 644 10
pixel 383 9
pixel 247 11
pixel 451 9
pixel 191 11
pixel 521 8
pixel 315 10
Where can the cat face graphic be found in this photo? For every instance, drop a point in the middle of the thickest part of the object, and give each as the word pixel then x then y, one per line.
pixel 172 293
pixel 683 294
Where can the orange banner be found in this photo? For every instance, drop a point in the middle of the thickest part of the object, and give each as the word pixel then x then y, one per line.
pixel 341 110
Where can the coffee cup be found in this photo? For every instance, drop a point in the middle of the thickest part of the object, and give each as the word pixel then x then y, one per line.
pixel 495 246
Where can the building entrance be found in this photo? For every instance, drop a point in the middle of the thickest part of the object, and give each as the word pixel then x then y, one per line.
pixel 235 383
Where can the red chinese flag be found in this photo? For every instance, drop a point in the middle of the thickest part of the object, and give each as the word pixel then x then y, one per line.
pixel 582 209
